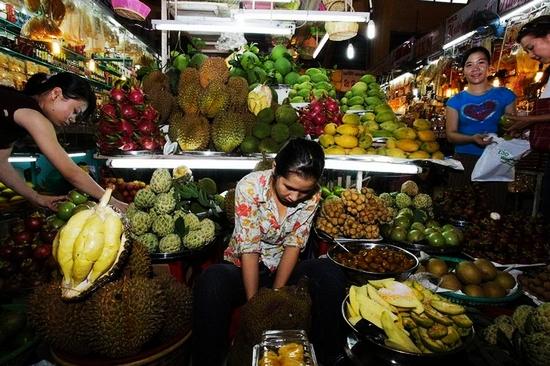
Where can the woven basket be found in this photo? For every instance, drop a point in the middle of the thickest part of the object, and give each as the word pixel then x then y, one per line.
pixel 340 31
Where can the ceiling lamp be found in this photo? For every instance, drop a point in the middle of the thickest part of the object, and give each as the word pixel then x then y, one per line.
pixel 275 28
pixel 131 9
pixel 302 15
pixel 350 52
pixel 371 29
pixel 320 45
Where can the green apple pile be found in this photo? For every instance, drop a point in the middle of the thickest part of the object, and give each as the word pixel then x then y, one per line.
pixel 76 202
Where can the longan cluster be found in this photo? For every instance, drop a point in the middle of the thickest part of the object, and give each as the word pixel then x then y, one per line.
pixel 332 217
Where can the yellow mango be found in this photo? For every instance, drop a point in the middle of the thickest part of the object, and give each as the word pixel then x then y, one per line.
pixel 381 151
pixel 430 147
pixel 407 145
pixel 326 140
pixel 395 152
pixel 427 135
pixel 391 143
pixel 335 150
pixel 419 155
pixel 347 130
pixel 330 128
pixel 357 151
pixel 346 141
pixel 371 151
pixel 422 124
pixel 438 155
pixel 351 119
pixel 404 133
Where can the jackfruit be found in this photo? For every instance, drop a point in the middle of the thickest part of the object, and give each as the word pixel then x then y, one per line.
pixel 213 69
pixel 214 99
pixel 228 131
pixel 192 132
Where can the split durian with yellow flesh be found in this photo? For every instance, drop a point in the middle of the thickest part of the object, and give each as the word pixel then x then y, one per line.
pixel 90 248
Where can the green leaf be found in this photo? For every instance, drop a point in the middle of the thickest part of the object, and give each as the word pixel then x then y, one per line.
pixel 180 228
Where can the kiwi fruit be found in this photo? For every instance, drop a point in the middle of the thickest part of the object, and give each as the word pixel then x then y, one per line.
pixel 468 273
pixel 493 289
pixel 488 270
pixel 449 281
pixel 437 267
pixel 505 279
pixel 473 290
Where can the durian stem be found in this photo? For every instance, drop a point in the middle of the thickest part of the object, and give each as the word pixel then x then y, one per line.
pixel 106 197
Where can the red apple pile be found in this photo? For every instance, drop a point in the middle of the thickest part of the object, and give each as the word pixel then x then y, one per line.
pixel 125 191
pixel 128 123
pixel 318 113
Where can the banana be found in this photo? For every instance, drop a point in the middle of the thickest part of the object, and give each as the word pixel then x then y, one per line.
pixel 113 233
pixel 437 316
pixel 462 321
pixel 67 238
pixel 446 307
pixel 88 247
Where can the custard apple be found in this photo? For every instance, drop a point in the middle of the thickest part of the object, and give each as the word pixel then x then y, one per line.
pixel 163 225
pixel 538 320
pixel 410 188
pixel 149 241
pixel 490 334
pixel 422 200
pixel 171 243
pixel 537 348
pixel 194 239
pixel 165 203
pixel 208 229
pixel 131 210
pixel 140 223
pixel 191 221
pixel 161 181
pixel 387 199
pixel 520 316
pixel 145 198
pixel 402 200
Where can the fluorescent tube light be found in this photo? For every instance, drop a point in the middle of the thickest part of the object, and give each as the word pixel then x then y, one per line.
pixel 401 77
pixel 283 29
pixel 191 163
pixel 22 159
pixel 77 154
pixel 458 40
pixel 371 166
pixel 520 10
pixel 320 45
pixel 302 15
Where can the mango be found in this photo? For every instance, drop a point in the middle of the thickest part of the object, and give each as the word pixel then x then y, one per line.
pixel 369 116
pixel 422 124
pixel 347 130
pixel 335 150
pixel 408 145
pixel 355 100
pixel 395 153
pixel 373 101
pixel 330 128
pixel 351 119
pixel 365 141
pixel 391 143
pixel 359 88
pixel 372 126
pixel 438 155
pixel 430 147
pixel 404 133
pixel 426 135
pixel 381 133
pixel 389 126
pixel 419 155
pixel 357 151
pixel 384 116
pixel 319 77
pixel 346 141
pixel 326 140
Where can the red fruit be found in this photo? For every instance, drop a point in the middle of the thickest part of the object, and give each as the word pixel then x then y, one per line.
pixel 149 113
pixel 42 251
pixel 22 237
pixel 109 110
pixel 47 236
pixel 128 112
pixel 316 108
pixel 136 96
pixel 6 251
pixel 107 128
pixel 117 95
pixel 126 128
pixel 148 143
pixel 332 106
pixel 34 223
pixel 127 144
pixel 320 120
pixel 146 127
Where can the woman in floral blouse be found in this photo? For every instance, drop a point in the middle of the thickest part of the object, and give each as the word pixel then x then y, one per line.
pixel 274 210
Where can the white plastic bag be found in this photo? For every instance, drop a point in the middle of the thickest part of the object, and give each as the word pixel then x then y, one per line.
pixel 497 162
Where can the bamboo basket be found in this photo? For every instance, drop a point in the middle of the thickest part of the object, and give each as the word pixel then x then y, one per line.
pixel 340 31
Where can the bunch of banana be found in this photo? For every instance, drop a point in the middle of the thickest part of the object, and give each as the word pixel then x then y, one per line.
pixel 88 248
pixel 414 319
pixel 259 98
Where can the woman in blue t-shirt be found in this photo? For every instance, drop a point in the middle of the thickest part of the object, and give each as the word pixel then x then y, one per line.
pixel 475 112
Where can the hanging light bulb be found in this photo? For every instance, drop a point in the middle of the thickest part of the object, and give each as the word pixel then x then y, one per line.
pixel 496 82
pixel 56 48
pixel 91 65
pixel 371 29
pixel 350 51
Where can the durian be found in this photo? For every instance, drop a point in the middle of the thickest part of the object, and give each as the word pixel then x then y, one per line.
pixel 228 131
pixel 191 132
pixel 139 261
pixel 213 69
pixel 239 93
pixel 189 91
pixel 214 99
pixel 179 308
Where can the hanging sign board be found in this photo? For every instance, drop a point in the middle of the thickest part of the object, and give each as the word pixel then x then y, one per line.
pixel 403 53
pixel 429 44
pixel 461 22
pixel 506 5
pixel 350 77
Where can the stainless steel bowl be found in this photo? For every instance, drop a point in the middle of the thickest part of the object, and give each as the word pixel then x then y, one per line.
pixel 359 276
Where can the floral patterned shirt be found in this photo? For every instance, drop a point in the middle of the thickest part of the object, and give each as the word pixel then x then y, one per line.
pixel 258 228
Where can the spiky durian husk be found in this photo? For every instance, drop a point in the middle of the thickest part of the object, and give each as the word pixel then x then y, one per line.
pixel 249 121
pixel 213 68
pixel 179 307
pixel 162 100
pixel 214 99
pixel 189 91
pixel 192 132
pixel 153 81
pixel 238 87
pixel 229 205
pixel 58 322
pixel 139 262
pixel 228 131
pixel 126 315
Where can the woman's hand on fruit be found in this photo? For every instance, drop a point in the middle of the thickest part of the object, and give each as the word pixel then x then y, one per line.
pixel 519 123
pixel 50 202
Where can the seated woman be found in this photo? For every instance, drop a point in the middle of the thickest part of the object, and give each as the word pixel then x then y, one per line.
pixel 274 210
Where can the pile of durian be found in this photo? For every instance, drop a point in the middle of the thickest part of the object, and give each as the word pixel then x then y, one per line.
pixel 160 221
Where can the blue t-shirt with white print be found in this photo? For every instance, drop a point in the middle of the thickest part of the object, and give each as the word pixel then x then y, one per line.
pixel 479 114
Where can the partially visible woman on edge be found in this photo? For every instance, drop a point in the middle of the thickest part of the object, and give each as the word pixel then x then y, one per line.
pixel 45 103
pixel 274 211
pixel 471 115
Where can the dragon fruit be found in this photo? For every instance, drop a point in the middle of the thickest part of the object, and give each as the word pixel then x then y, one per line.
pixel 318 113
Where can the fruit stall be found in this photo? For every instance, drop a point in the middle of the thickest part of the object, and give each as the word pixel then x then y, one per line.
pixel 433 274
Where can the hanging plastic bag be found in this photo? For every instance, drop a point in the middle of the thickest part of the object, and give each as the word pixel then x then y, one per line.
pixel 498 160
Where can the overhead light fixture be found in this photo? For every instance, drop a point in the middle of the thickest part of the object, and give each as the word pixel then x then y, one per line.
pixel 301 15
pixel 56 48
pixel 400 78
pixel 371 29
pixel 371 166
pixel 77 155
pixel 91 65
pixel 278 28
pixel 458 40
pixel 320 45
pixel 496 82
pixel 350 51
pixel 520 10
pixel 22 159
